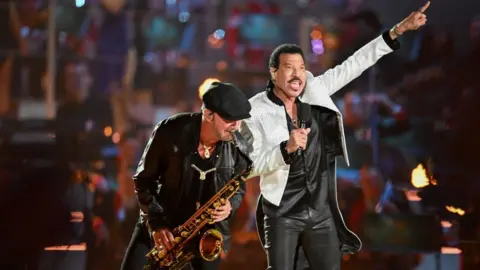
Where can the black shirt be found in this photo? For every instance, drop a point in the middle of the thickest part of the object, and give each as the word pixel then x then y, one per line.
pixel 305 185
pixel 199 191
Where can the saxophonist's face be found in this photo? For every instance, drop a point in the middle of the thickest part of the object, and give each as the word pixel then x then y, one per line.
pixel 224 129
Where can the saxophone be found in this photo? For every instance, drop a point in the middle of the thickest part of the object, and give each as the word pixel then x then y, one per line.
pixel 210 244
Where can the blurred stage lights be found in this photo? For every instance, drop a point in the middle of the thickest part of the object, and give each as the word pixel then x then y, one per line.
pixel 205 85
pixel 219 34
pixel 321 40
pixel 317 46
pixel 331 41
pixel 222 65
pixel 79 3
pixel 214 42
pixel 116 137
pixel 316 34
pixel 107 131
pixel 183 16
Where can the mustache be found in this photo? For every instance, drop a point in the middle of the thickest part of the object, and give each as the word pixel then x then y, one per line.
pixel 294 79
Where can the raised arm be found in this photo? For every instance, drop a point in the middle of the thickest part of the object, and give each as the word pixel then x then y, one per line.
pixel 336 78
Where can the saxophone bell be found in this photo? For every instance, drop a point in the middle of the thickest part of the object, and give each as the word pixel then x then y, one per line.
pixel 211 245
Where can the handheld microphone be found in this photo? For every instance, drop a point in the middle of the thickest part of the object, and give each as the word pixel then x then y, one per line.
pixel 304 114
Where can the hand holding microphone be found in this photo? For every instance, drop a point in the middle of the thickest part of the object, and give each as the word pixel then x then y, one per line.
pixel 298 137
pixel 297 140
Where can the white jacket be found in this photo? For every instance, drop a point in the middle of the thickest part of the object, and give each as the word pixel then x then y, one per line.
pixel 268 123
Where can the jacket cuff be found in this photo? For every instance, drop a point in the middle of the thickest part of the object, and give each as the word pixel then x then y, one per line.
pixel 155 224
pixel 235 207
pixel 156 217
pixel 393 44
pixel 286 156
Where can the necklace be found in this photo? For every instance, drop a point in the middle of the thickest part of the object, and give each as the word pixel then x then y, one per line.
pixel 207 150
pixel 294 122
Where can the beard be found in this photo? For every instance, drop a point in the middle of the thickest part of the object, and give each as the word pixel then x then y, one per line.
pixel 225 136
pixel 228 136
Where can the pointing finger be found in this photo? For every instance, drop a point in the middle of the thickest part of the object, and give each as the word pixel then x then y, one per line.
pixel 422 9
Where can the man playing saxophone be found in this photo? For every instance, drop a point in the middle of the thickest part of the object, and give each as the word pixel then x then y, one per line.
pixel 188 159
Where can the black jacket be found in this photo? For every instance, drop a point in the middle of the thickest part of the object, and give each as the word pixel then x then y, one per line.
pixel 165 171
pixel 332 148
pixel 327 119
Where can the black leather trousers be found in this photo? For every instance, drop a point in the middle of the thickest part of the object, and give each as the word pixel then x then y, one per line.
pixel 309 233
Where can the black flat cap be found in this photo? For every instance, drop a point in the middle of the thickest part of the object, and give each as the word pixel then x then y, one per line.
pixel 227 100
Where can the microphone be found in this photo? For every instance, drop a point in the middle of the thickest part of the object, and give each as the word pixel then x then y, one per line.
pixel 304 114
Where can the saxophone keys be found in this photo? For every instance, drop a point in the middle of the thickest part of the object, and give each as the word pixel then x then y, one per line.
pixel 184 234
pixel 178 240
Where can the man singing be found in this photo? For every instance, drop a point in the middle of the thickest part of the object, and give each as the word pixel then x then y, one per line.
pixel 189 158
pixel 298 187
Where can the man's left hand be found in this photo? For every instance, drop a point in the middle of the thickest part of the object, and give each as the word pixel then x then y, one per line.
pixel 414 21
pixel 222 212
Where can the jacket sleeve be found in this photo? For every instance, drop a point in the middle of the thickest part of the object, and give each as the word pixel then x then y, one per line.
pixel 236 200
pixel 336 78
pixel 265 158
pixel 242 164
pixel 147 178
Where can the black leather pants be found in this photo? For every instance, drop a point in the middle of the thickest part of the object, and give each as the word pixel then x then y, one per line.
pixel 310 230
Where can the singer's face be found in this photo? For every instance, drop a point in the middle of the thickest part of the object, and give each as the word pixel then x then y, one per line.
pixel 290 77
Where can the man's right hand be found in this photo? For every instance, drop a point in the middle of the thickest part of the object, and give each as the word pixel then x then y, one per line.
pixel 298 138
pixel 163 238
